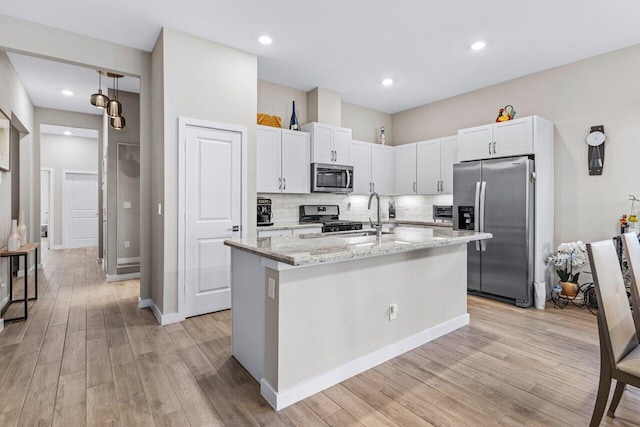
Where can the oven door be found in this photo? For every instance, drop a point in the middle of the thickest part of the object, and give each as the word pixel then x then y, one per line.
pixel 327 178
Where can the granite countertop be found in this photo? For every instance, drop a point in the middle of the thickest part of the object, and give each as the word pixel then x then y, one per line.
pixel 309 249
pixel 289 225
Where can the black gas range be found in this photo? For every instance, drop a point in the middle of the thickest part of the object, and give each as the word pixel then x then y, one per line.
pixel 329 216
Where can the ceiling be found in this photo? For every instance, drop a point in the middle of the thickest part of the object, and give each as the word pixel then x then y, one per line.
pixel 44 80
pixel 350 46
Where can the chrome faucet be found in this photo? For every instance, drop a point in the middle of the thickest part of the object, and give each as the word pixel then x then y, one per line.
pixel 378 225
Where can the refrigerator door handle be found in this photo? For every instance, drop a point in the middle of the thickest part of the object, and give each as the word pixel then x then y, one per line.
pixel 483 191
pixel 476 214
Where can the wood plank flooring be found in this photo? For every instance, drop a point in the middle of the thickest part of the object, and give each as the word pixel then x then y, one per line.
pixel 88 356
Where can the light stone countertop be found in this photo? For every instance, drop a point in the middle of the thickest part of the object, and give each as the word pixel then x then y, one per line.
pixel 289 225
pixel 309 249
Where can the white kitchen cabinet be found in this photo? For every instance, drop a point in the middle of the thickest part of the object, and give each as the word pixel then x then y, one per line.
pixel 283 161
pixel 435 160
pixel 428 166
pixel 360 155
pixel 329 144
pixel 373 168
pixel 502 139
pixel 448 158
pixel 405 160
pixel 382 169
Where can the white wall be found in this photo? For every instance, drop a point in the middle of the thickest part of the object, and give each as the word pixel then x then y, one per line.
pixel 603 90
pixel 61 152
pixel 16 104
pixel 207 81
pixel 365 123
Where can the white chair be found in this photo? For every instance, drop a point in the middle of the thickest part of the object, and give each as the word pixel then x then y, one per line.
pixel 619 347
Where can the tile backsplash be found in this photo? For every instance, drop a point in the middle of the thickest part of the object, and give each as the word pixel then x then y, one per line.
pixel 419 208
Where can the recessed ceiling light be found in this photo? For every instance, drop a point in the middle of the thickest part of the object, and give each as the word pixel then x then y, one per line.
pixel 387 82
pixel 67 132
pixel 265 39
pixel 66 92
pixel 479 45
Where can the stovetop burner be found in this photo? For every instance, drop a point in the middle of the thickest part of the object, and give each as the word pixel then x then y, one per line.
pixel 328 215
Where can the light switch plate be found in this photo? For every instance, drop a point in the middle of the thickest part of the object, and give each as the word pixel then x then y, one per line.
pixel 271 288
pixel 160 209
pixel 127 205
pixel 127 244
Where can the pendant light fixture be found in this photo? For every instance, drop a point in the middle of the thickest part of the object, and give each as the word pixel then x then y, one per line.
pixel 117 122
pixel 99 99
pixel 114 107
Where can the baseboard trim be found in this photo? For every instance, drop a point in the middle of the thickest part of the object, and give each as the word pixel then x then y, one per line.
pixel 121 277
pixel 144 303
pixel 40 266
pixel 164 319
pixel 281 399
pixel 21 272
pixel 1 324
pixel 56 247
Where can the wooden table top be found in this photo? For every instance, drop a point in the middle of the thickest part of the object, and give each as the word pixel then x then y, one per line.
pixel 22 250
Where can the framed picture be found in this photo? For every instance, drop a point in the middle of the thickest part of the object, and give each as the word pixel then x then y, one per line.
pixel 5 142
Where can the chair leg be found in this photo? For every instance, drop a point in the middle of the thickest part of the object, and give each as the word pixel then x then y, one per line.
pixel 603 394
pixel 617 395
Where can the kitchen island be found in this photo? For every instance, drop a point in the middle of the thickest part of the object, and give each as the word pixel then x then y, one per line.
pixel 309 311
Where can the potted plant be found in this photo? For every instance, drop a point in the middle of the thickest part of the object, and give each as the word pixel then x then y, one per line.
pixel 568 260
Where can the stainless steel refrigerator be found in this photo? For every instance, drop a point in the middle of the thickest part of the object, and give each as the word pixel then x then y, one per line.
pixel 497 196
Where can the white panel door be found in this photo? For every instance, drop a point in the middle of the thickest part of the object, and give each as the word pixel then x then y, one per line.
pixel 296 162
pixel 268 168
pixel 383 169
pixel 212 213
pixel 448 158
pixel 361 161
pixel 406 169
pixel 514 137
pixel 428 168
pixel 341 144
pixel 81 210
pixel 475 143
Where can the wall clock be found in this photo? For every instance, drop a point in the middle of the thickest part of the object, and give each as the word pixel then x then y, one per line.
pixel 595 142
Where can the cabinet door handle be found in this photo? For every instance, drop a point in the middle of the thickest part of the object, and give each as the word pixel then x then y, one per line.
pixel 489 147
pixel 373 186
pixel 279 183
pixel 414 187
pixel 494 147
pixel 284 183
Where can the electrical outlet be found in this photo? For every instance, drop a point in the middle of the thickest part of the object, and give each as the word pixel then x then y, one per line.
pixel 393 311
pixel 271 291
pixel 127 244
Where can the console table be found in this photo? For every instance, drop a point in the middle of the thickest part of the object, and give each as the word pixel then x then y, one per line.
pixel 23 250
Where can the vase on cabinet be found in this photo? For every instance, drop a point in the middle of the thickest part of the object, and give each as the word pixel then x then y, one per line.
pixel 570 289
pixel 13 243
pixel 22 228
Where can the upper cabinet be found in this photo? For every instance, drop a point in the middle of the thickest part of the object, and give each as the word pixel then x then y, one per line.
pixel 373 168
pixel 503 139
pixel 406 169
pixel 283 161
pixel 329 144
pixel 426 167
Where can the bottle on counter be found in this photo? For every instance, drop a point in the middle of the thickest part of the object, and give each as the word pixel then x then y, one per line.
pixel 293 123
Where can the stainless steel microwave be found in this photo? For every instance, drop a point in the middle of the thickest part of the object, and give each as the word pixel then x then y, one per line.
pixel 327 178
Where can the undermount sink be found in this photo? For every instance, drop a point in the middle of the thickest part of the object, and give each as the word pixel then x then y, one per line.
pixel 359 233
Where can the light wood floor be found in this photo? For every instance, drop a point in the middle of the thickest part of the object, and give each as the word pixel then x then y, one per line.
pixel 88 355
